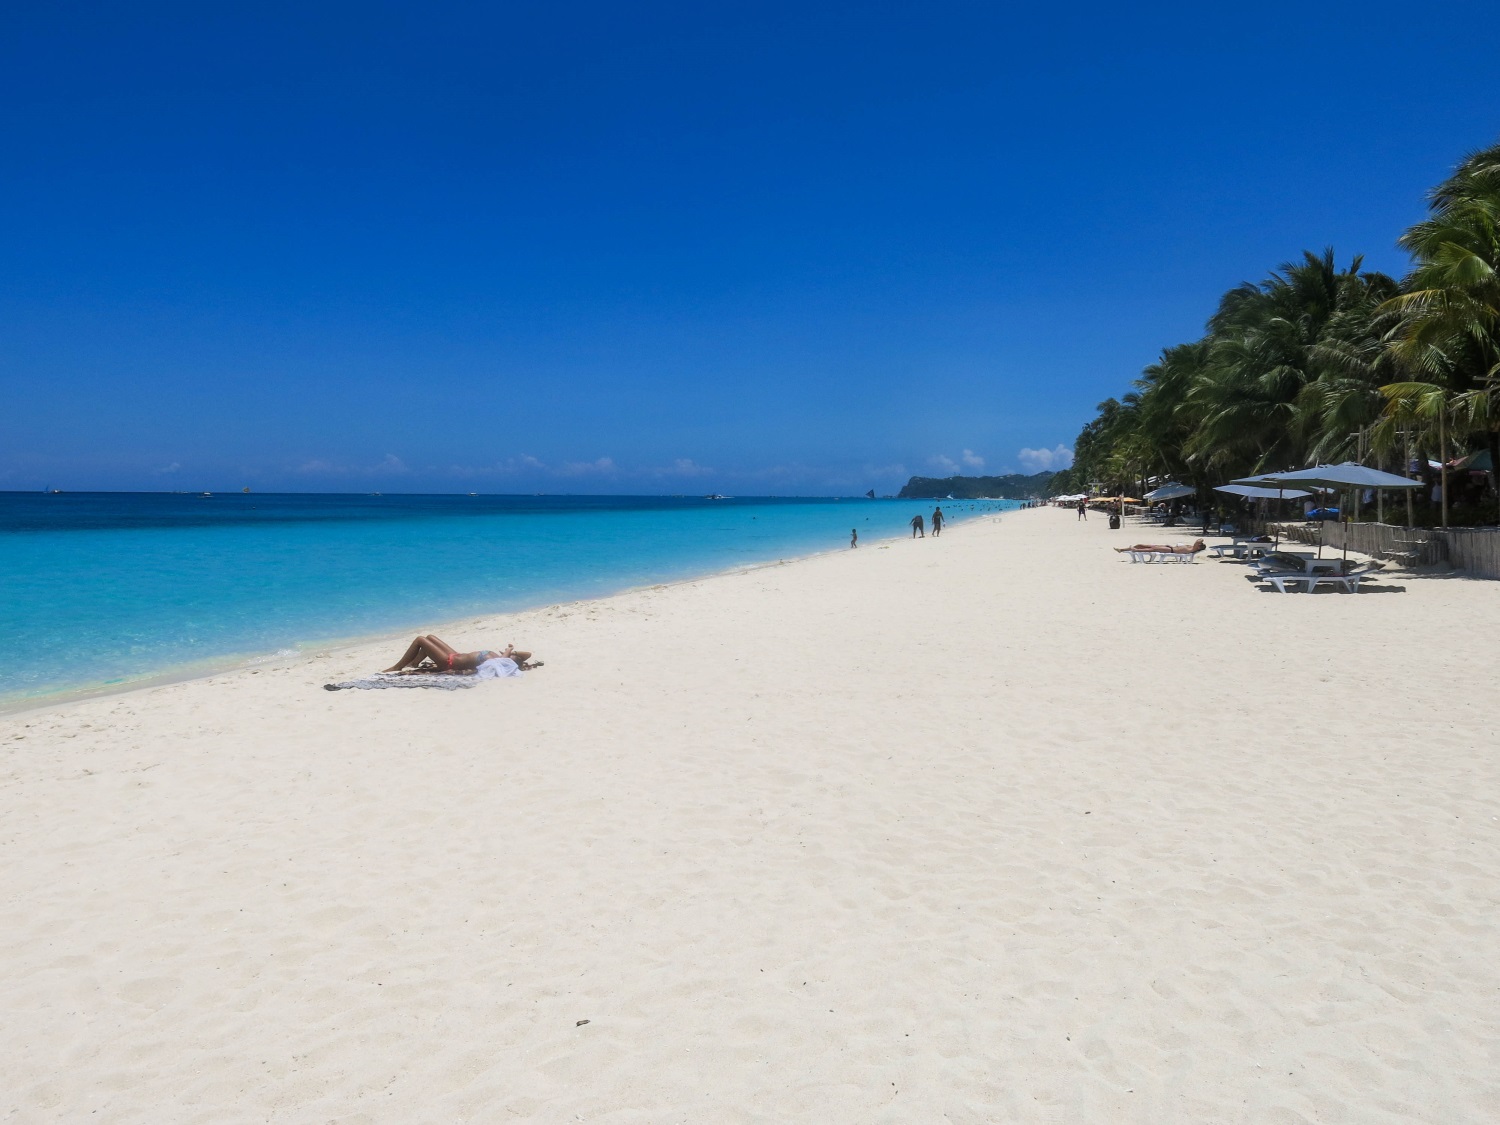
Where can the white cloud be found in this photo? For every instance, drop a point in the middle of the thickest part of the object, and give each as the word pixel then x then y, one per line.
pixel 525 463
pixel 1045 460
pixel 946 465
pixel 683 467
pixel 968 461
pixel 387 465
pixel 172 468
pixel 604 466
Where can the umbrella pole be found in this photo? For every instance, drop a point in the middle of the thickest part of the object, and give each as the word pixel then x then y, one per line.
pixel 1346 537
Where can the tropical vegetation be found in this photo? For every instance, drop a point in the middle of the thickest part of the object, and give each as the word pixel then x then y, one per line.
pixel 1013 486
pixel 1322 362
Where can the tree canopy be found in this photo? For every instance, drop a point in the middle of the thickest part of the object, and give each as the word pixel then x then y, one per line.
pixel 1320 362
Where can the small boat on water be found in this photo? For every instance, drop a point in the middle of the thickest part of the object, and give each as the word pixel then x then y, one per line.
pixel 715 496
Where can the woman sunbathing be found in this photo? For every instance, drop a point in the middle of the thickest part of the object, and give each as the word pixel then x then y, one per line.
pixel 447 659
pixel 1165 548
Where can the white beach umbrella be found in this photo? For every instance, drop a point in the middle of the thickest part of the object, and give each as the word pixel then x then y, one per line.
pixel 1172 490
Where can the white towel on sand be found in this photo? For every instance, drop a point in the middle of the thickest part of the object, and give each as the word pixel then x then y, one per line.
pixel 497 667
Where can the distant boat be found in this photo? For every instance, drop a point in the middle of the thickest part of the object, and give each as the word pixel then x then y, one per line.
pixel 204 495
pixel 715 496
pixel 245 490
pixel 473 494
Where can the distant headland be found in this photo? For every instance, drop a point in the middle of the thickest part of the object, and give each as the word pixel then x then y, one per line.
pixel 1013 486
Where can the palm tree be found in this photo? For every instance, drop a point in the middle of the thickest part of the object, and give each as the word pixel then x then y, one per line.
pixel 1448 328
pixel 1291 365
pixel 1428 406
pixel 1351 359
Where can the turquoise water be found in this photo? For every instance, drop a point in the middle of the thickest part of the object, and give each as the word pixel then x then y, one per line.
pixel 108 588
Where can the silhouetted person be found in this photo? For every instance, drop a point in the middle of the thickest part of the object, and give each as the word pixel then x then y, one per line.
pixel 916 527
pixel 937 521
pixel 1083 510
pixel 853 538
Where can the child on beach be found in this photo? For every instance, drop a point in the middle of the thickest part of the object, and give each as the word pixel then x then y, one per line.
pixel 853 538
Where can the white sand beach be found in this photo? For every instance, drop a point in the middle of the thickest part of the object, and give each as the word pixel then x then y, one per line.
pixel 996 827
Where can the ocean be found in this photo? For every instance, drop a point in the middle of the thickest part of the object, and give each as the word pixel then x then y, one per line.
pixel 106 589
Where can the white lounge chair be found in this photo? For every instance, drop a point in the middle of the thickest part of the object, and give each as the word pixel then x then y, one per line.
pixel 1160 556
pixel 1282 579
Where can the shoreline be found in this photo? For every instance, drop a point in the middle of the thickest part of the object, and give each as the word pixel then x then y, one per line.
pixel 305 651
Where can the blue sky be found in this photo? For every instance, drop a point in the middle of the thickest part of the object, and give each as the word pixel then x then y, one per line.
pixel 653 248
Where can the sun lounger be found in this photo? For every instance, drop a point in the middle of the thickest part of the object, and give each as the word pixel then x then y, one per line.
pixel 1284 579
pixel 1160 556
pixel 1243 548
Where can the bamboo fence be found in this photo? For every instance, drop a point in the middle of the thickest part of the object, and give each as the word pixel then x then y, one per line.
pixel 1473 550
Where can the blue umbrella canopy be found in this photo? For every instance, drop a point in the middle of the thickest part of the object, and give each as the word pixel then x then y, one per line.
pixel 1347 475
pixel 1255 492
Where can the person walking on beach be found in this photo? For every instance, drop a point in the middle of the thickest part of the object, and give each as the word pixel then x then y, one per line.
pixel 1083 510
pixel 853 538
pixel 916 526
pixel 937 521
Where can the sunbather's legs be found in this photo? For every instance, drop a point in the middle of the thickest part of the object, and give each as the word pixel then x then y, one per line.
pixel 422 648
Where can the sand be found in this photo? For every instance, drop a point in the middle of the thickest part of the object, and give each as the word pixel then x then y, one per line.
pixel 996 827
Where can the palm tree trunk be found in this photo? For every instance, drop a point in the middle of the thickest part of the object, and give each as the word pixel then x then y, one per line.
pixel 1380 492
pixel 1443 455
pixel 1494 446
pixel 1408 491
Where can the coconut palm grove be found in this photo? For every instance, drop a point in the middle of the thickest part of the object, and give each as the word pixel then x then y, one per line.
pixel 1323 362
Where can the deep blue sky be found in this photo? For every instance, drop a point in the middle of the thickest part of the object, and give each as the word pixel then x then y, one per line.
pixel 649 248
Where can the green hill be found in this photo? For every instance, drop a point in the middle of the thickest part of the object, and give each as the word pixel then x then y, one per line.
pixel 1013 486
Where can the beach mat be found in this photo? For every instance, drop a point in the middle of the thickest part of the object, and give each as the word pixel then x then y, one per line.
pixel 440 680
